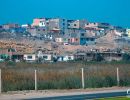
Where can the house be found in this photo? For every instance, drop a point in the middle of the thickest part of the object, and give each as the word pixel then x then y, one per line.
pixel 55 25
pixel 72 36
pixel 91 25
pixel 79 37
pixel 68 58
pixel 65 57
pixel 110 56
pixel 1 27
pixel 9 26
pixel 16 56
pixel 80 56
pixel 25 25
pixel 119 29
pixel 8 52
pixel 40 22
pixel 36 31
pixel 30 57
pixel 104 26
pixel 47 57
pixel 87 41
pixel 44 56
pixel 76 24
pixel 59 40
pixel 128 32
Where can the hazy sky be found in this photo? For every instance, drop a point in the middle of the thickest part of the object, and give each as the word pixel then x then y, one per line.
pixel 116 12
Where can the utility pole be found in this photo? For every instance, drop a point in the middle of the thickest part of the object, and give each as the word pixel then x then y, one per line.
pixel 83 85
pixel 35 80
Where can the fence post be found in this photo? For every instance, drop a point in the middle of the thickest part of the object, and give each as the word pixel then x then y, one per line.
pixel 35 80
pixel 118 78
pixel 0 82
pixel 83 85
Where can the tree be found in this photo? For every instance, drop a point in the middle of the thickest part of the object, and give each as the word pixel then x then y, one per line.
pixel 126 57
pixel 98 57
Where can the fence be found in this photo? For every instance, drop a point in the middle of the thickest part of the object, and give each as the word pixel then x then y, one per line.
pixel 69 78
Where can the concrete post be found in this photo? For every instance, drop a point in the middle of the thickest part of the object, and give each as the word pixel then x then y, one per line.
pixel 83 85
pixel 118 78
pixel 0 82
pixel 35 80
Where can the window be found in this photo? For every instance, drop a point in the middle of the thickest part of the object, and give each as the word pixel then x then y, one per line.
pixel 92 39
pixel 82 34
pixel 75 25
pixel 69 58
pixel 63 19
pixel 82 39
pixel 29 57
pixel 68 24
pixel 44 57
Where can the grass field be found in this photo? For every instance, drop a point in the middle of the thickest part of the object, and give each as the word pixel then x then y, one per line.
pixel 116 98
pixel 65 75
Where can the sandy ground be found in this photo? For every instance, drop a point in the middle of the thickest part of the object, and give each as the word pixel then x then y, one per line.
pixel 20 95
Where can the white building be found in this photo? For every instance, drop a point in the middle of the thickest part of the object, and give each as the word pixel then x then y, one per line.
pixel 59 40
pixel 47 57
pixel 30 57
pixel 66 58
pixel 25 25
pixel 128 32
pixel 44 57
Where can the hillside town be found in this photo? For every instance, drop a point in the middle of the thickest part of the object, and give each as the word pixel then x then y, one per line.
pixel 59 40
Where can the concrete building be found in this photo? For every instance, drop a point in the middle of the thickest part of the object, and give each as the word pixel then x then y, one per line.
pixel 41 22
pixel 30 57
pixel 79 37
pixel 91 26
pixel 55 25
pixel 26 26
pixel 59 40
pixel 76 24
pixel 90 56
pixel 9 26
pixel 1 27
pixel 44 56
pixel 37 31
pixel 65 57
pixel 104 25
pixel 128 32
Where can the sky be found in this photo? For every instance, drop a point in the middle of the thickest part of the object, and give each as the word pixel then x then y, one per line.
pixel 115 12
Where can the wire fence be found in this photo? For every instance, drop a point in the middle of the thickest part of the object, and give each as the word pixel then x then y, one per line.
pixel 69 78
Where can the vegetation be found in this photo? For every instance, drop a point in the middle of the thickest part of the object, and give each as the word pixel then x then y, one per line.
pixel 116 98
pixel 126 57
pixel 20 76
